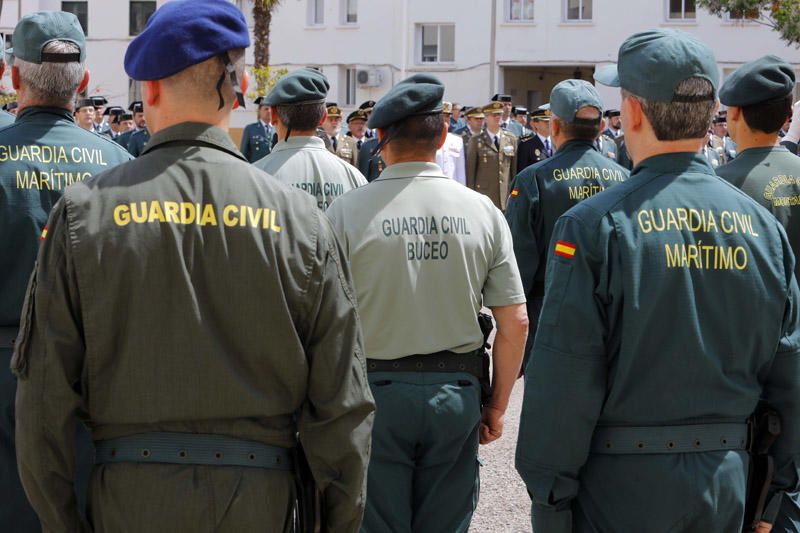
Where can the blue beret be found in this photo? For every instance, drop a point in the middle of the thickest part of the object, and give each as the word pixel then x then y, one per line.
pixel 766 78
pixel 421 94
pixel 302 86
pixel 183 33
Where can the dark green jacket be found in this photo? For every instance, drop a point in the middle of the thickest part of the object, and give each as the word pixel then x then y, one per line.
pixel 187 291
pixel 370 165
pixel 256 141
pixel 124 138
pixel 771 177
pixel 137 142
pixel 670 299
pixel 543 192
pixel 43 152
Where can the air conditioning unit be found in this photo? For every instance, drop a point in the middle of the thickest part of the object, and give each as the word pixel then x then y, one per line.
pixel 369 77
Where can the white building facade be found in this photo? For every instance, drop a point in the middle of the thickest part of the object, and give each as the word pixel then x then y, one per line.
pixel 477 47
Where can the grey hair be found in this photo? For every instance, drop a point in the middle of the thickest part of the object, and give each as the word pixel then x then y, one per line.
pixel 678 120
pixel 301 117
pixel 54 83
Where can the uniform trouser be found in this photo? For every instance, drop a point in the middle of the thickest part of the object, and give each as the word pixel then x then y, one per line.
pixel 155 498
pixel 423 471
pixel 16 513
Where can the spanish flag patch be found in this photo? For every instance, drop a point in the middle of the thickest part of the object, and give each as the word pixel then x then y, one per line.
pixel 565 249
pixel 44 233
pixel 515 192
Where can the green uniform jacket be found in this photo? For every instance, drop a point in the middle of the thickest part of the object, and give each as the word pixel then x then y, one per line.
pixel 607 146
pixel 542 193
pixel 303 162
pixel 124 138
pixel 670 299
pixel 771 177
pixel 491 169
pixel 187 291
pixel 138 141
pixel 370 165
pixel 42 153
pixel 256 141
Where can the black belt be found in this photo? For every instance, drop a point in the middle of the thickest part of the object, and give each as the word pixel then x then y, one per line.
pixel 8 336
pixel 191 449
pixel 445 361
pixel 622 440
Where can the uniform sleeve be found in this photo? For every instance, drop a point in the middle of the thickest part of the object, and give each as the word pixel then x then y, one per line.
pixel 245 145
pixel 513 165
pixel 782 391
pixel 335 424
pixel 461 168
pixel 48 363
pixel 472 161
pixel 565 381
pixel 364 158
pixel 503 285
pixel 522 214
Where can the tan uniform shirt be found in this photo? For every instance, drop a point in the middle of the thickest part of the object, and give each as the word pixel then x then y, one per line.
pixel 346 148
pixel 426 254
pixel 490 169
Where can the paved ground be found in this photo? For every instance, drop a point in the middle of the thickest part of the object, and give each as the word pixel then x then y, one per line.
pixel 504 506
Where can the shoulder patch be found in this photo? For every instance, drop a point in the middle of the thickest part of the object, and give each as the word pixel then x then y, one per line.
pixel 565 249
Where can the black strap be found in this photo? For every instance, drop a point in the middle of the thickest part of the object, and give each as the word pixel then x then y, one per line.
pixel 60 58
pixel 444 361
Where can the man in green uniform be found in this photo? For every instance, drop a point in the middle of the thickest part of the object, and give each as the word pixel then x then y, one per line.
pixel 759 99
pixel 257 137
pixel 42 153
pixel 370 164
pixel 545 191
pixel 194 405
pixel 426 254
pixel 137 111
pixel 670 309
pixel 138 141
pixel 300 158
pixel 492 157
pixel 84 114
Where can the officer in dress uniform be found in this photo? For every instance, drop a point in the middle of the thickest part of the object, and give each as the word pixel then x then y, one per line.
pixel 137 112
pixel 720 140
pixel 257 137
pixel 537 146
pixel 670 309
pixel 84 114
pixel 357 128
pixel 100 121
pixel 759 99
pixel 546 190
pixel 450 156
pixel 475 121
pixel 370 163
pixel 520 116
pixel 366 107
pixel 437 251
pixel 113 114
pixel 492 157
pixel 300 158
pixel 508 105
pixel 341 145
pixel 613 124
pixel 138 141
pixel 45 151
pixel 606 146
pixel 194 406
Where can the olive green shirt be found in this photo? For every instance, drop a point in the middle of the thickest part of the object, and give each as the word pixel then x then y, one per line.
pixel 187 291
pixel 490 168
pixel 426 254
pixel 305 163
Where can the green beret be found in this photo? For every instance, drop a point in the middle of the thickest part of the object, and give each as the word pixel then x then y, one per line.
pixel 653 63
pixel 767 78
pixel 302 86
pixel 571 95
pixel 421 94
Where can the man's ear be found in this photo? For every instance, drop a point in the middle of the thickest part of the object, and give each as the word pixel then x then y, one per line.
pixel 85 82
pixel 15 77
pixel 324 118
pixel 633 112
pixel 152 92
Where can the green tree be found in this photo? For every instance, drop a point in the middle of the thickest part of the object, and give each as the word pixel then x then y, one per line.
pixel 265 76
pixel 783 16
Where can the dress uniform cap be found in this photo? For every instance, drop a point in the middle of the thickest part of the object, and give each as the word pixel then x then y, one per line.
pixel 333 109
pixel 302 86
pixel 358 114
pixel 183 33
pixel 608 113
pixel 260 101
pixel 493 108
pixel 368 105
pixel 541 114
pixel 126 116
pixel 421 94
pixel 33 32
pixel 474 112
pixel 447 107
pixel 84 102
pixel 766 78
pixel 99 101
pixel 653 63
pixel 501 98
pixel 720 119
pixel 569 96
pixel 136 107
pixel 519 111
pixel 113 110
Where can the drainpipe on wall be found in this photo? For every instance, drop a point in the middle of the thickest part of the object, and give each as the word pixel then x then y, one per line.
pixel 493 51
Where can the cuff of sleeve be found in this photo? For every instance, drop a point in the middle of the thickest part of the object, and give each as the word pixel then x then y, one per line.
pixel 551 520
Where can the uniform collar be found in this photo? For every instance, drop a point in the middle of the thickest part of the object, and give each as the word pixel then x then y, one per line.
pixel 764 150
pixel 411 170
pixel 32 111
pixel 675 163
pixel 575 143
pixel 194 133
pixel 295 143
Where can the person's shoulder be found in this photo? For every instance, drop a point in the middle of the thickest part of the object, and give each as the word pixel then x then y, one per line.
pixel 508 135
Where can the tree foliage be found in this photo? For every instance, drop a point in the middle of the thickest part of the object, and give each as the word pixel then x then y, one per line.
pixel 264 75
pixel 783 16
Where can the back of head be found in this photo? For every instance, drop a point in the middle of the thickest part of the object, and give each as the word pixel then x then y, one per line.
pixel 578 108
pixel 49 54
pixel 674 77
pixel 299 99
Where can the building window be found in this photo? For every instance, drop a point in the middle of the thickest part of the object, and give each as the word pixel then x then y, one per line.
pixel 578 10
pixel 349 11
pixel 520 10
pixel 437 43
pixel 349 87
pixel 80 10
pixel 682 10
pixel 316 12
pixel 139 14
pixel 744 14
